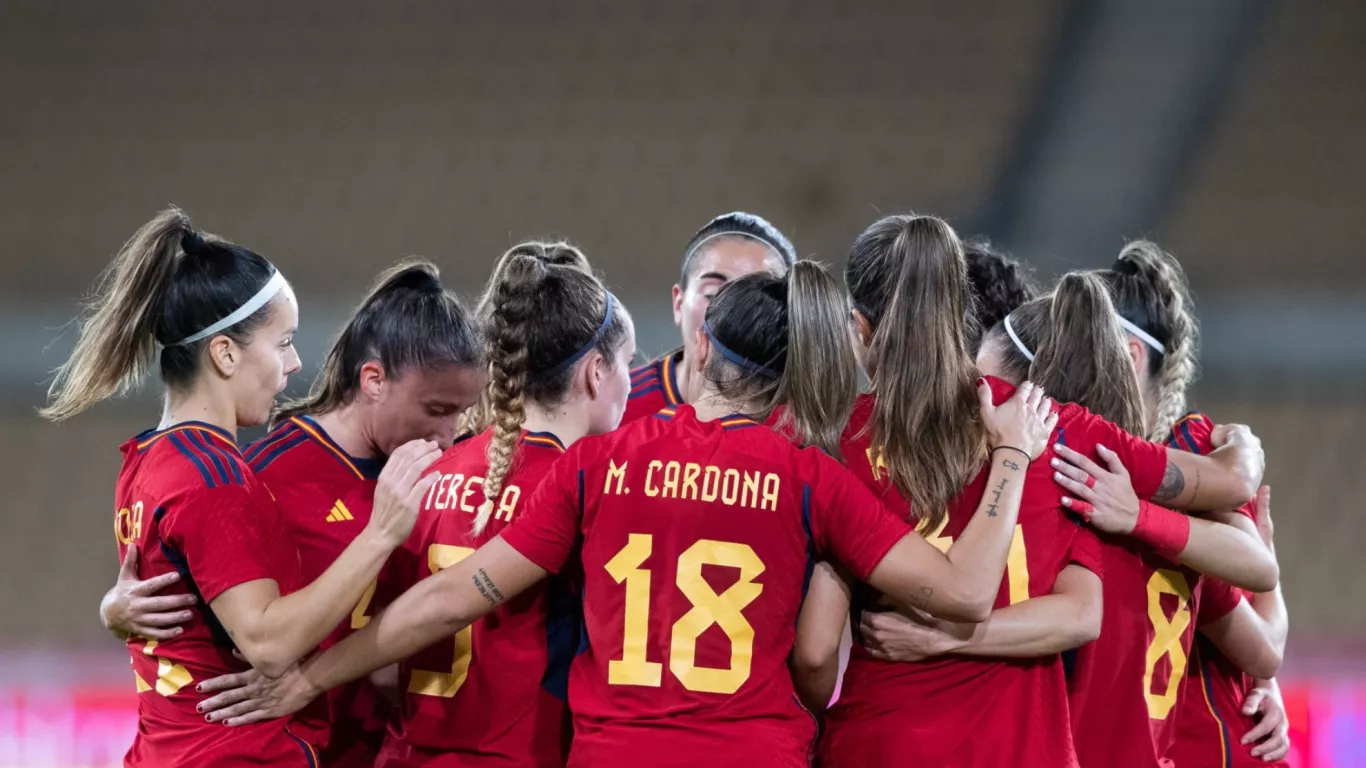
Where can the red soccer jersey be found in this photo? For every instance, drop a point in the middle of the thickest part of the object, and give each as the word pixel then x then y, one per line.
pixel 1210 720
pixel 971 711
pixel 325 497
pixel 697 540
pixel 493 696
pixel 190 503
pixel 1127 686
pixel 653 386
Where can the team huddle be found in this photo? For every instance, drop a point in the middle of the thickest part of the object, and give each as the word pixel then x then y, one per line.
pixel 484 539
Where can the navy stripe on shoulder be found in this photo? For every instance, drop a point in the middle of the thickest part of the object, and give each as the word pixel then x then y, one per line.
pixel 279 449
pixel 646 376
pixel 645 371
pixel 1174 441
pixel 1190 440
pixel 187 452
pixel 641 393
pixel 232 458
pixel 220 462
pixel 279 433
pixel 811 554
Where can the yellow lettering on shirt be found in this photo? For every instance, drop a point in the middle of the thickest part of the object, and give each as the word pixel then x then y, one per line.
pixel 469 490
pixel 690 481
pixel 615 473
pixel 650 489
pixel 507 503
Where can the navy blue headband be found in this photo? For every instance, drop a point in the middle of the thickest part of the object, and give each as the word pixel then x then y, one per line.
pixel 593 342
pixel 735 358
pixel 867 313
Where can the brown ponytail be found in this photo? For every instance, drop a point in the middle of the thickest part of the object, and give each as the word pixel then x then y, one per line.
pixel 785 341
pixel 407 321
pixel 117 339
pixel 908 277
pixel 1079 349
pixel 1149 290
pixel 820 381
pixel 540 311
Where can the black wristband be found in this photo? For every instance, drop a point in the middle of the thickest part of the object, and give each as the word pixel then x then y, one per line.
pixel 1028 459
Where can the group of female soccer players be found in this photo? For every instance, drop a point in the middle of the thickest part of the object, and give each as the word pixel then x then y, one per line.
pixel 483 539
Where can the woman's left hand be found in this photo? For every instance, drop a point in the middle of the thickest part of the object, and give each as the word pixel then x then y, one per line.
pixel 1271 736
pixel 890 636
pixel 1104 497
pixel 251 697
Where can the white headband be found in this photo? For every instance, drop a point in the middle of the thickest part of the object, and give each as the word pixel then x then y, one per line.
pixel 730 233
pixel 1015 337
pixel 1143 336
pixel 267 292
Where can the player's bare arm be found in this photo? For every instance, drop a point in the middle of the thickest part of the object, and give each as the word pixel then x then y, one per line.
pixel 1225 479
pixel 274 631
pixel 820 628
pixel 961 585
pixel 1104 495
pixel 1269 605
pixel 1240 638
pixel 1067 618
pixel 436 607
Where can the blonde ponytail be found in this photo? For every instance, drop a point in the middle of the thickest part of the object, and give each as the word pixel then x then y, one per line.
pixel 1149 278
pixel 117 341
pixel 820 381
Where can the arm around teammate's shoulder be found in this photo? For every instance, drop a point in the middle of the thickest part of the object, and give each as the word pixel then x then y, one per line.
pixel 275 631
pixel 961 585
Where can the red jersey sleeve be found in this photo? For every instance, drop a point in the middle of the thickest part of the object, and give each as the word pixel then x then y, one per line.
pixel 1217 600
pixel 547 529
pixel 1086 551
pixel 1193 433
pixel 1146 461
pixel 846 519
pixel 228 536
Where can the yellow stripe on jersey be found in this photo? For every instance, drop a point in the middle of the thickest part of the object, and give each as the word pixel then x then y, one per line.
pixel 326 443
pixel 1193 416
pixel 1203 681
pixel 181 428
pixel 546 441
pixel 666 378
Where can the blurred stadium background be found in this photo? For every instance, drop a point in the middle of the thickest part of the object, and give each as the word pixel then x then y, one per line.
pixel 337 137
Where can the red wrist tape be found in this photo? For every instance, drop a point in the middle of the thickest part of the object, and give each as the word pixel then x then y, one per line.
pixel 1165 531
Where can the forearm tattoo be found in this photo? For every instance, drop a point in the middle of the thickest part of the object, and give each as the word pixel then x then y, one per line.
pixel 996 498
pixel 1173 483
pixel 996 492
pixel 922 600
pixel 485 585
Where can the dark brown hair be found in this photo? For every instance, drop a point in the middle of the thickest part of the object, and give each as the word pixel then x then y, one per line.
pixel 784 341
pixel 541 315
pixel 907 276
pixel 739 224
pixel 1149 289
pixel 167 283
pixel 999 283
pixel 1079 350
pixel 407 322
